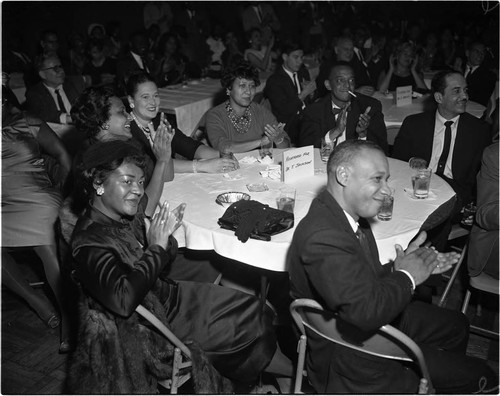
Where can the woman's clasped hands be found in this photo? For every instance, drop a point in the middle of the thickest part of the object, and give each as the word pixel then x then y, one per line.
pixel 275 133
pixel 163 224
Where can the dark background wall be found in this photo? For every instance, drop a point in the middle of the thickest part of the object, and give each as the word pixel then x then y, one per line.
pixel 29 18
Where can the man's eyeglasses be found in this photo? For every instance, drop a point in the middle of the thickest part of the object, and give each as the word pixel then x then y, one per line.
pixel 56 68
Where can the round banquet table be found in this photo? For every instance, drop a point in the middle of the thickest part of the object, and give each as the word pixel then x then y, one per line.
pixel 200 230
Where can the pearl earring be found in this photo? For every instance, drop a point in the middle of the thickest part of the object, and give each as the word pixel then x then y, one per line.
pixel 132 105
pixel 100 190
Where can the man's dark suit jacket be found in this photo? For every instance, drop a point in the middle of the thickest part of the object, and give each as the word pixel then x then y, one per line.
pixel 326 262
pixel 39 101
pixel 317 119
pixel 481 84
pixel 125 67
pixel 415 139
pixel 285 103
pixel 483 244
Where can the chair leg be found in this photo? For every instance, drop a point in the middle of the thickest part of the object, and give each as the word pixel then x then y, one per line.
pixel 466 302
pixel 300 364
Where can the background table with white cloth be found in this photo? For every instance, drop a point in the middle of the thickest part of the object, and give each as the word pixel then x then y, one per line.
pixel 201 231
pixel 394 116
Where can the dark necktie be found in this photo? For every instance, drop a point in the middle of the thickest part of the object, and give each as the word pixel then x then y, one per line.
pixel 60 102
pixel 144 64
pixel 468 71
pixel 446 148
pixel 363 242
pixel 296 82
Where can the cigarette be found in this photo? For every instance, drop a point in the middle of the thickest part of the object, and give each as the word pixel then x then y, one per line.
pixel 352 94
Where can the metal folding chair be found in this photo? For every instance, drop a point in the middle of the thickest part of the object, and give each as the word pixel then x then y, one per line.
pixel 182 355
pixel 388 342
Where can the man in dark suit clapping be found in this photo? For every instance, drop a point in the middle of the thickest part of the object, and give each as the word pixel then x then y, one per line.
pixel 333 259
pixel 290 89
pixel 341 116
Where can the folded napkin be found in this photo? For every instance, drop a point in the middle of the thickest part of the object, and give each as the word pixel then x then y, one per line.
pixel 272 172
pixel 234 177
pixel 409 193
pixel 248 160
pixel 266 160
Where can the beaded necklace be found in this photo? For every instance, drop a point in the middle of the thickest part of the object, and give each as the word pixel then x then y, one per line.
pixel 144 129
pixel 241 124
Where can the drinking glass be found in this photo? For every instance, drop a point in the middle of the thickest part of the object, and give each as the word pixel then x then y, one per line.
pixel 416 164
pixel 266 149
pixel 326 150
pixel 385 211
pixel 422 183
pixel 286 199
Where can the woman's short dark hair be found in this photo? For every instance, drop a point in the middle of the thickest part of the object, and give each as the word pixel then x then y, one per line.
pixel 135 80
pixel 84 191
pixel 242 69
pixel 91 110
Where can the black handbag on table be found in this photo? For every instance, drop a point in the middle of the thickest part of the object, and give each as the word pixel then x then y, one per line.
pixel 253 219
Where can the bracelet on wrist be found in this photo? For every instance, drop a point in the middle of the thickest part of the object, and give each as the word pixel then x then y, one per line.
pixel 195 164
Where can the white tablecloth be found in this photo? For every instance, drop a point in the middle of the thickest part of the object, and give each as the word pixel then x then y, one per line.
pixel 201 231
pixel 394 116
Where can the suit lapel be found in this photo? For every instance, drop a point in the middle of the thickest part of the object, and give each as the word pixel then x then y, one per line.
pixel 352 120
pixel 427 136
pixel 329 117
pixel 139 135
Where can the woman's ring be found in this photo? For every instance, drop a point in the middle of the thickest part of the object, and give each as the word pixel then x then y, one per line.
pixel 162 222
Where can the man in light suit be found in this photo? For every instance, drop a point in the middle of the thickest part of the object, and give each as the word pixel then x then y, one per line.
pixel 339 116
pixel 333 259
pixel 290 89
pixel 483 244
pixel 52 98
pixel 423 135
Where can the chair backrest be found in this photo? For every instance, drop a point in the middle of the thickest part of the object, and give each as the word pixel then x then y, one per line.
pixel 388 342
pixel 392 132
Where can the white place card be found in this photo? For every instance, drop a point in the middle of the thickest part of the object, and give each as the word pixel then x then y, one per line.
pixel 298 163
pixel 403 96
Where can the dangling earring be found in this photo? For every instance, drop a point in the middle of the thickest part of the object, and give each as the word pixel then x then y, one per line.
pixel 227 92
pixel 105 127
pixel 100 190
pixel 132 105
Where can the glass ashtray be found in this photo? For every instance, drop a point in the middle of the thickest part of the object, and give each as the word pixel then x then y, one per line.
pixel 257 187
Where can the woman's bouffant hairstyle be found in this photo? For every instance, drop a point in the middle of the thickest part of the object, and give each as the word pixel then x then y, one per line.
pixel 242 69
pixel 404 46
pixel 135 80
pixel 91 110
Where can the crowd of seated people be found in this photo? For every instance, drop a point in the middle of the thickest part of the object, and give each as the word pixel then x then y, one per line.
pixel 107 86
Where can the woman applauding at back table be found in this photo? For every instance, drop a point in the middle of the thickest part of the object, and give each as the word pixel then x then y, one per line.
pixel 239 124
pixel 144 101
pixel 402 70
